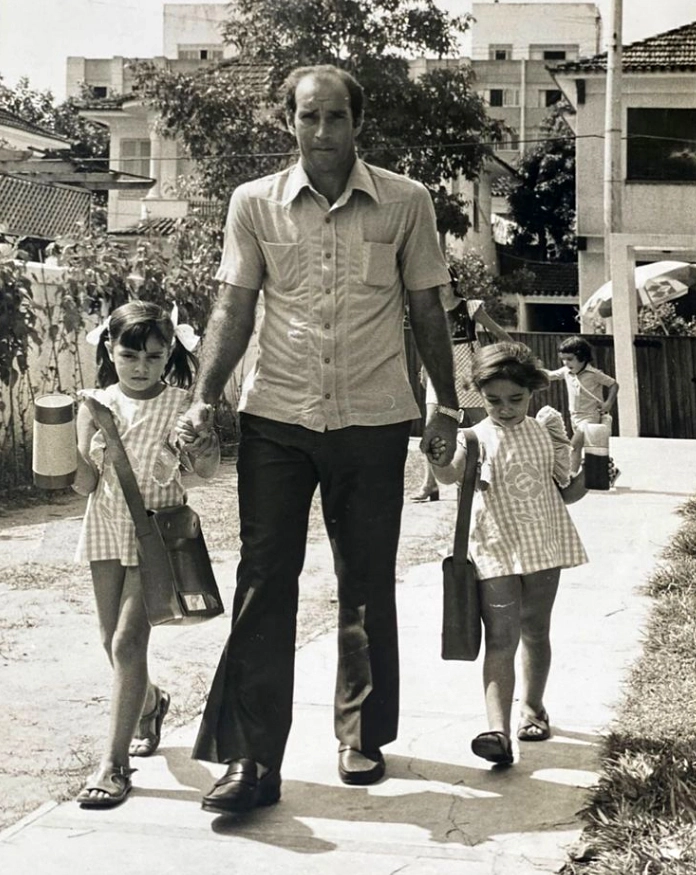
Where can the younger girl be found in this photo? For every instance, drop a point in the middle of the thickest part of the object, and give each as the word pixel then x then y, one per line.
pixel 143 372
pixel 521 536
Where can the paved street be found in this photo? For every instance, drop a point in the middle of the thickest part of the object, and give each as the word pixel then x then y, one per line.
pixel 440 810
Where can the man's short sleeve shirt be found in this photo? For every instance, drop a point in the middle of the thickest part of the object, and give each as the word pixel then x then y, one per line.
pixel 331 345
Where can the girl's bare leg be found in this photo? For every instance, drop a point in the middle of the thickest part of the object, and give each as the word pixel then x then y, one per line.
pixel 538 596
pixel 500 609
pixel 125 634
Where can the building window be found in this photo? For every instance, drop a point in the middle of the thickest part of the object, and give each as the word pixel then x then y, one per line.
pixel 549 97
pixel 661 145
pixel 199 53
pixel 99 91
pixel 135 157
pixel 503 97
pixel 554 54
pixel 500 53
pixel 510 143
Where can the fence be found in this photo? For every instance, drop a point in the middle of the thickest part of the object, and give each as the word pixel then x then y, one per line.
pixel 666 374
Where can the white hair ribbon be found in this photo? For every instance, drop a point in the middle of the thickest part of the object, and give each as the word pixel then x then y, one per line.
pixel 184 333
pixel 186 336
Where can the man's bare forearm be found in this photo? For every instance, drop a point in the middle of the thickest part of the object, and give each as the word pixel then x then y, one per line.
pixel 432 336
pixel 227 336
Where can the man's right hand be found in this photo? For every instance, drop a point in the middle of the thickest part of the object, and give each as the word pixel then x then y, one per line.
pixel 193 427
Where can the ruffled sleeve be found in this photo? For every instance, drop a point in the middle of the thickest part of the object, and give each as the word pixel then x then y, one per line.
pixel 550 419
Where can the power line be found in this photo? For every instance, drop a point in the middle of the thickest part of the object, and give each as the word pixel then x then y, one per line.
pixel 683 141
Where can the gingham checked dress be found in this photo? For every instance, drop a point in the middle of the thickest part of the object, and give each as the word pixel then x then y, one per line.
pixel 144 425
pixel 519 522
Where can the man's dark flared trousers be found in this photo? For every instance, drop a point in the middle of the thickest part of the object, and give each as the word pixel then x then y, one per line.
pixel 360 472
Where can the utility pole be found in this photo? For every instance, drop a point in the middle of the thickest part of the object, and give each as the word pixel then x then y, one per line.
pixel 612 135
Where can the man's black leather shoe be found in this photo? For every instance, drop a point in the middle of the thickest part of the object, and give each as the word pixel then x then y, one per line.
pixel 240 790
pixel 353 770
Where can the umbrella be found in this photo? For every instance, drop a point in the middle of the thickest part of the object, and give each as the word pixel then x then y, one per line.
pixel 655 283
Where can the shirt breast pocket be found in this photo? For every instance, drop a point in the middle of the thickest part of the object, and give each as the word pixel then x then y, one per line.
pixel 380 267
pixel 282 264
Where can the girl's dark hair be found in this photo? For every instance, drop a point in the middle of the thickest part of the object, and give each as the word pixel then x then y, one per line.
pixel 508 361
pixel 131 325
pixel 576 346
pixel 354 88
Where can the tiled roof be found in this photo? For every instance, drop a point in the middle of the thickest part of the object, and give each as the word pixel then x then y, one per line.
pixel 673 50
pixel 252 76
pixel 10 120
pixel 551 279
pixel 255 76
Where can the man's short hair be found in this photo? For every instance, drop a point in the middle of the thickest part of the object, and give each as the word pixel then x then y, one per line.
pixel 354 88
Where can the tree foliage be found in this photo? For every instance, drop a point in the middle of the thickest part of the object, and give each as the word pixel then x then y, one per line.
pixel 476 281
pixel 88 140
pixel 543 204
pixel 431 129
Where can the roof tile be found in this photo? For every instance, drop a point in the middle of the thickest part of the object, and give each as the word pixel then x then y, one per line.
pixel 672 50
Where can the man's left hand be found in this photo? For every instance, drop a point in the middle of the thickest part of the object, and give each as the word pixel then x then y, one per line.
pixel 439 440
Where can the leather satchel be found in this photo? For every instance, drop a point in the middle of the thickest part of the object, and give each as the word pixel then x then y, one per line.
pixel 177 577
pixel 461 614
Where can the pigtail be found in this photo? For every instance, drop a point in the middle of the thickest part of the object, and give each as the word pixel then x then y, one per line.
pixel 106 372
pixel 181 366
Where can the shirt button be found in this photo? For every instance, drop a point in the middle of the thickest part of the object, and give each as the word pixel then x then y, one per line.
pixel 327 219
pixel 327 361
pixel 327 325
pixel 327 255
pixel 328 395
pixel 327 291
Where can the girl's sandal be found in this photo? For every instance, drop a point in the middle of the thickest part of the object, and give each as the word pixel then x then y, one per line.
pixel 534 727
pixel 149 732
pixel 114 781
pixel 493 746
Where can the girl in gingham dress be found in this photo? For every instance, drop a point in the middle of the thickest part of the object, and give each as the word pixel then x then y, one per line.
pixel 145 365
pixel 521 537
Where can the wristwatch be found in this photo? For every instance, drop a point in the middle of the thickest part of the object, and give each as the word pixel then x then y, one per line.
pixel 453 413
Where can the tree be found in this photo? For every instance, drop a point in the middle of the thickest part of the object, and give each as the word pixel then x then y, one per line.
pixel 543 203
pixel 88 140
pixel 431 130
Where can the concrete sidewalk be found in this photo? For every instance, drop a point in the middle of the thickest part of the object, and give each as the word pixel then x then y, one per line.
pixel 440 810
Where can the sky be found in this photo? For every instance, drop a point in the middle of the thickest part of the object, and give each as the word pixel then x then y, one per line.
pixel 36 36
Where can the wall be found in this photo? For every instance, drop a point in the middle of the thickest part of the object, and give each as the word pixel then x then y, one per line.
pixel 189 24
pixel 653 207
pixel 526 24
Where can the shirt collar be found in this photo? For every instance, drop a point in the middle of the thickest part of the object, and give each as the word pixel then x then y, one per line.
pixel 360 179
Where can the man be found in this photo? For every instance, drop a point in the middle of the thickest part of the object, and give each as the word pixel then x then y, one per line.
pixel 334 243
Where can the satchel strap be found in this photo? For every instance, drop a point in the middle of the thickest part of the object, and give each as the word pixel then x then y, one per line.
pixel 134 499
pixel 466 496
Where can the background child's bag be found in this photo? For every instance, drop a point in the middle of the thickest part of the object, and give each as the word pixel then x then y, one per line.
pixel 461 611
pixel 177 577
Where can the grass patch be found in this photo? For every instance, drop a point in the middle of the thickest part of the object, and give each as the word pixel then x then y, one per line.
pixel 642 816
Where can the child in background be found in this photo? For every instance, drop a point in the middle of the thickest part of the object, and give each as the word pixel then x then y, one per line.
pixel 521 537
pixel 145 365
pixel 585 385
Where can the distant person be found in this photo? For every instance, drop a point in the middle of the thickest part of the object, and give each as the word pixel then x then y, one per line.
pixel 465 316
pixel 339 248
pixel 587 403
pixel 143 371
pixel 521 537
